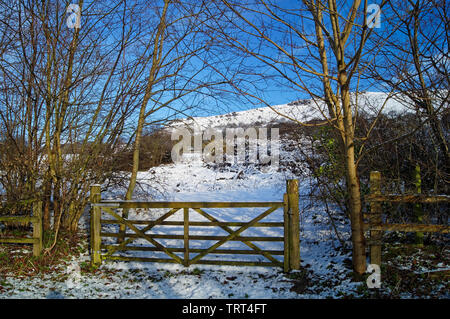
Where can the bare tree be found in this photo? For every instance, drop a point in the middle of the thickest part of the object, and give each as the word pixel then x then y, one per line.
pixel 73 91
pixel 315 48
pixel 419 68
pixel 66 95
pixel 175 72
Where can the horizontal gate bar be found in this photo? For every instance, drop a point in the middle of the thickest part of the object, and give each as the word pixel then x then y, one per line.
pixel 19 240
pixel 192 223
pixel 202 261
pixel 413 198
pixel 197 237
pixel 138 204
pixel 19 219
pixel 195 250
pixel 409 228
pixel 236 263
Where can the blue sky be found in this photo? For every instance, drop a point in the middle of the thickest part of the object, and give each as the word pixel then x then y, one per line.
pixel 277 90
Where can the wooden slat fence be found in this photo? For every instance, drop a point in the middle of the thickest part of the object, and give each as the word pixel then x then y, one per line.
pixel 141 229
pixel 36 220
pixel 376 226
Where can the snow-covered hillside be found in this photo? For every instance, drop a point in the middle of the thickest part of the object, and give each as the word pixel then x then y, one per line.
pixel 302 110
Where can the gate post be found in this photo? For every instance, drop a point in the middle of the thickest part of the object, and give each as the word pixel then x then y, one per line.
pixel 293 226
pixel 37 228
pixel 375 219
pixel 287 237
pixel 186 236
pixel 95 197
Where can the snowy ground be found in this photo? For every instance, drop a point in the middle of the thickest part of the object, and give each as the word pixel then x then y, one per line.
pixel 326 267
pixel 195 182
pixel 325 264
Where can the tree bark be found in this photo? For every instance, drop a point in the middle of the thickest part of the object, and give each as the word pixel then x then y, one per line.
pixel 352 180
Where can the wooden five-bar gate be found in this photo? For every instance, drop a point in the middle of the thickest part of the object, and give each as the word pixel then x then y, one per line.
pixel 142 230
pixel 377 226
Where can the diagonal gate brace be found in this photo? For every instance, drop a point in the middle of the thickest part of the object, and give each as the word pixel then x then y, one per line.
pixel 230 231
pixel 233 235
pixel 142 234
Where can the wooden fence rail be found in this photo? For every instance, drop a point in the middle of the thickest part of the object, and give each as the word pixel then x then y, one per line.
pixel 290 224
pixel 36 220
pixel 376 226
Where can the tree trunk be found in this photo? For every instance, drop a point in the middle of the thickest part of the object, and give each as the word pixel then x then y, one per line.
pixel 353 187
pixel 156 65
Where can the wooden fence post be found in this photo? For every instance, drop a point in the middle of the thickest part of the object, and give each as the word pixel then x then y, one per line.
pixel 37 229
pixel 418 210
pixel 186 236
pixel 287 239
pixel 375 219
pixel 294 223
pixel 95 197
